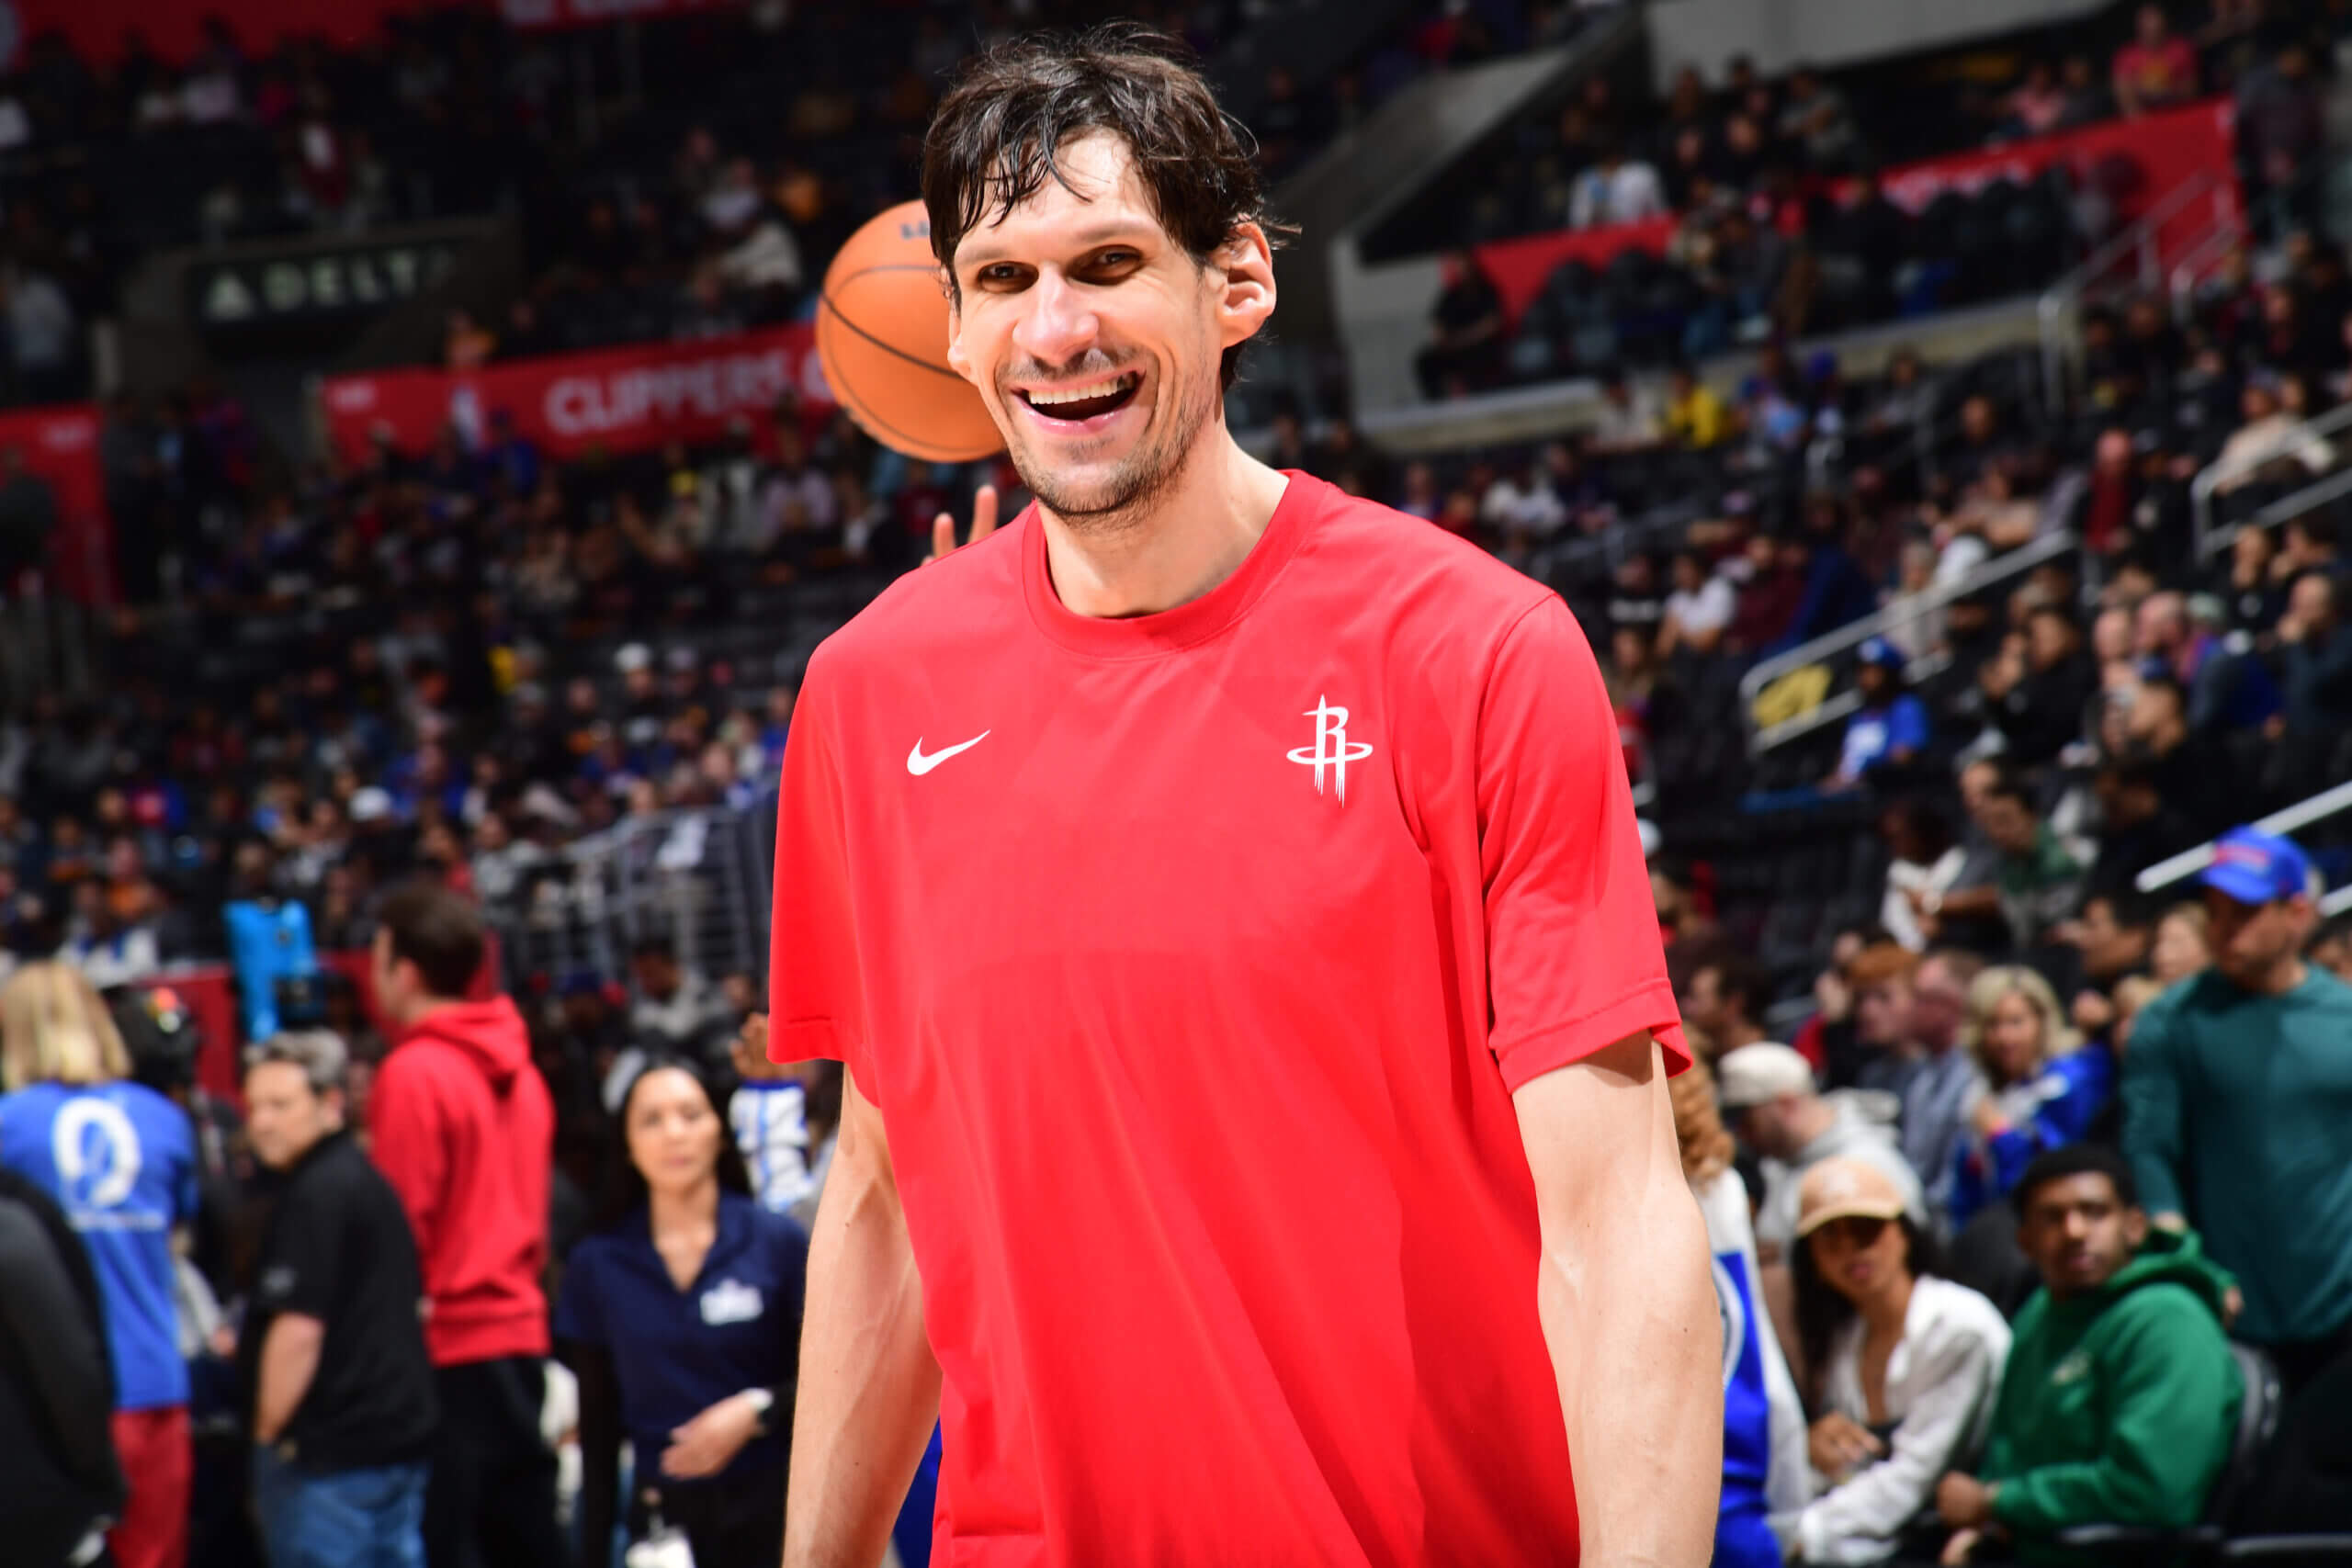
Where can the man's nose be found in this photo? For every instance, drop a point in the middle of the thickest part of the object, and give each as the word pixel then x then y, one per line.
pixel 1059 325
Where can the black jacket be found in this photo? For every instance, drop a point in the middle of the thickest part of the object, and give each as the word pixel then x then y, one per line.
pixel 56 1387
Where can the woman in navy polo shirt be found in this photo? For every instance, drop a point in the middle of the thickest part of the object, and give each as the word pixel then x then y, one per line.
pixel 681 1313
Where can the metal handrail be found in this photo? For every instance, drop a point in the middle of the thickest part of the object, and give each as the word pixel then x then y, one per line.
pixel 2211 477
pixel 2227 235
pixel 2022 560
pixel 2138 238
pixel 2189 862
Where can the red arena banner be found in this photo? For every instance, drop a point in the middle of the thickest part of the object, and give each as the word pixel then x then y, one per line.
pixel 60 445
pixel 623 400
pixel 2152 155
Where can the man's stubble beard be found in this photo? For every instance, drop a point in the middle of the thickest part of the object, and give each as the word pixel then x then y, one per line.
pixel 1125 500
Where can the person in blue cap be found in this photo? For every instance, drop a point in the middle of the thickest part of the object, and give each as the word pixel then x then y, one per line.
pixel 2237 1108
pixel 1890 729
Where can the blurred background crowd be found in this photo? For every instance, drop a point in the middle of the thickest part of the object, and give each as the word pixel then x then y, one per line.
pixel 1949 472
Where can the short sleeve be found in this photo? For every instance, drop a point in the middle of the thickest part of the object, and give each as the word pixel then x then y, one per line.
pixel 815 995
pixel 1908 726
pixel 1574 960
pixel 579 1310
pixel 301 1274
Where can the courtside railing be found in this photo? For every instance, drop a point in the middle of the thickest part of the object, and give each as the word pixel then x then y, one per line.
pixel 1897 616
pixel 2211 541
pixel 2134 254
pixel 2327 803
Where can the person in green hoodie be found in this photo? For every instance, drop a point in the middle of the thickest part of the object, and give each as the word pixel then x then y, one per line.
pixel 2120 1398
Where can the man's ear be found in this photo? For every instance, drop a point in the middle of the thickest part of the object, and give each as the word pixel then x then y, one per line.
pixel 956 359
pixel 1242 270
pixel 2135 1226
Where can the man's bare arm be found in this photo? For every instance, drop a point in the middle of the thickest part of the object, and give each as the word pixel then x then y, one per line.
pixel 869 1385
pixel 1628 1307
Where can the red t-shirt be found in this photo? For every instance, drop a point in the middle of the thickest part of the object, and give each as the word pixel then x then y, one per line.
pixel 1192 959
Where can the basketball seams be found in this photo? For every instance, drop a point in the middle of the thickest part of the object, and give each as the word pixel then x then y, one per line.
pixel 864 412
pixel 825 298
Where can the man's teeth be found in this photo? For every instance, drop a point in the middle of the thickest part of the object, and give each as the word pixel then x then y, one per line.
pixel 1079 394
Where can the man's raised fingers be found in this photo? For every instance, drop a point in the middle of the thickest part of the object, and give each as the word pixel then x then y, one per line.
pixel 983 514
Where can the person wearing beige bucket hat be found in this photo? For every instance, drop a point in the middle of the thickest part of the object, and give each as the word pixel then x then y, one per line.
pixel 1905 1365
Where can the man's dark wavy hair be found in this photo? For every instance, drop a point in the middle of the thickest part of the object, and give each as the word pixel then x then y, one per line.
pixel 996 137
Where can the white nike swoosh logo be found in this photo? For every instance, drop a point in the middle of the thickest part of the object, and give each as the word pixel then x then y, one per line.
pixel 918 765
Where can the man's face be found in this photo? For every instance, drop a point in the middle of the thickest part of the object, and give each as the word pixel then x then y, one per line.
pixel 2250 940
pixel 2078 1233
pixel 1702 1003
pixel 2109 948
pixel 2007 822
pixel 2334 954
pixel 1766 1129
pixel 384 974
pixel 1938 1002
pixel 1883 1013
pixel 1081 289
pixel 283 1117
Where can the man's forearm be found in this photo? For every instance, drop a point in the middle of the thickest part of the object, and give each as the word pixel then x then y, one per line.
pixel 1636 1333
pixel 869 1385
pixel 289 1360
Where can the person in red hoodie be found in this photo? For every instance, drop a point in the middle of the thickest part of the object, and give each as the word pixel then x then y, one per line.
pixel 463 1128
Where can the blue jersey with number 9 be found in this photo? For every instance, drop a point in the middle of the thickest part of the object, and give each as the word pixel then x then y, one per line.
pixel 121 1160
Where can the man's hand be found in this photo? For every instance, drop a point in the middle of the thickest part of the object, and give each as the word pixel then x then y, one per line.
pixel 708 1443
pixel 1958 1549
pixel 1964 1501
pixel 2233 1304
pixel 943 528
pixel 1838 1445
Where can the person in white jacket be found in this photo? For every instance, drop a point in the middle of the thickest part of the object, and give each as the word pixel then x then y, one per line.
pixel 1908 1367
pixel 1764 1434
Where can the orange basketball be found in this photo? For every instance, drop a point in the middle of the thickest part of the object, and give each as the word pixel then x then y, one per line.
pixel 882 336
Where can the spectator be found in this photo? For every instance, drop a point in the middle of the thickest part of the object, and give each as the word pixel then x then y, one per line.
pixel 1924 862
pixel 1695 416
pixel 2036 105
pixel 2315 656
pixel 769 1116
pixel 1889 730
pixel 1465 354
pixel 1764 1458
pixel 2237 1109
pixel 2042 713
pixel 1699 609
pixel 119 1160
pixel 2331 946
pixel 2184 944
pixel 2038 878
pixel 2120 1402
pixel 1815 117
pixel 463 1129
pixel 2156 70
pixel 2282 125
pixel 682 1315
pixel 674 1006
pixel 1872 1310
pixel 1722 1000
pixel 1615 189
pixel 334 1368
pixel 2042 1087
pixel 1770 1099
pixel 63 1482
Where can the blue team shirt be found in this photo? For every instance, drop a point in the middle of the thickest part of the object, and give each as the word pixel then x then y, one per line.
pixel 121 1160
pixel 676 1353
pixel 1874 733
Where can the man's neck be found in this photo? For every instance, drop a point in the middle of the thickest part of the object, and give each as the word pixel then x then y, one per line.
pixel 2284 976
pixel 1197 534
pixel 415 1015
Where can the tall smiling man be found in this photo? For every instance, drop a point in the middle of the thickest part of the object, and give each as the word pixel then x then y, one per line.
pixel 1227 899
